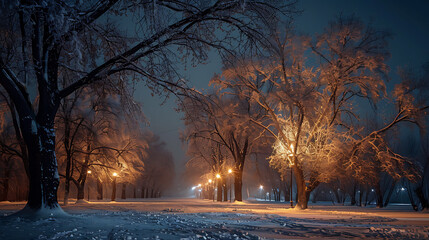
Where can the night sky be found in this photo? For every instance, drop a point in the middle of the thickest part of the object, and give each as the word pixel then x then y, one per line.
pixel 408 21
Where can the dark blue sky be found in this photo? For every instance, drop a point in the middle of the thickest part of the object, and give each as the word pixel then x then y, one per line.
pixel 407 20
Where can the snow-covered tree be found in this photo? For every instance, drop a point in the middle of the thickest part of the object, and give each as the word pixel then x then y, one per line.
pixel 309 89
pixel 101 141
pixel 39 37
pixel 223 122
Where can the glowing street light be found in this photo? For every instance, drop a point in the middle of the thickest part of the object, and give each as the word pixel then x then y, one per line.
pixel 113 198
pixel 230 184
pixel 291 164
pixel 261 187
pixel 89 172
pixel 219 193
pixel 210 181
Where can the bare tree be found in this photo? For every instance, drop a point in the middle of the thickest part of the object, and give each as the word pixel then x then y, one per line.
pixel 224 121
pixel 42 33
pixel 310 110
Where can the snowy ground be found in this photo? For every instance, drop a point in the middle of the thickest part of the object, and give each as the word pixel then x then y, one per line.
pixel 203 219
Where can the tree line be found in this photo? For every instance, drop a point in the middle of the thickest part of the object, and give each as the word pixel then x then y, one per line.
pixel 319 105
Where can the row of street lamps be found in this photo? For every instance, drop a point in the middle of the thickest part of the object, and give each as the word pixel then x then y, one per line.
pixel 115 175
pixel 211 182
pixel 218 176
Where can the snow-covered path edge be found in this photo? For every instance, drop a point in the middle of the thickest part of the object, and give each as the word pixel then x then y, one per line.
pixel 203 219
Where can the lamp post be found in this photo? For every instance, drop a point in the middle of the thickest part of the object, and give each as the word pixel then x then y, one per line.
pixel 210 186
pixel 217 188
pixel 230 185
pixel 114 186
pixel 291 164
pixel 291 201
pixel 89 172
pixel 261 188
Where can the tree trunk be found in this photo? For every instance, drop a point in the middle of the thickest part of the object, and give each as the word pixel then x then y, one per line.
pixel 353 195
pixel 337 195
pixel 5 187
pixel 421 196
pixel 238 185
pixel 99 189
pixel 135 192
pixel 80 192
pixel 302 201
pixel 124 189
pixel 44 178
pixel 143 192
pixel 389 193
pixel 66 192
pixel 379 194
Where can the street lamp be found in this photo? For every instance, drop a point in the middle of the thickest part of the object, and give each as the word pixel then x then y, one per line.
pixel 114 186
pixel 216 185
pixel 230 184
pixel 211 188
pixel 89 172
pixel 291 164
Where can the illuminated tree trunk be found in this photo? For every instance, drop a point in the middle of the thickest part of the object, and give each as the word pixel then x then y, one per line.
pixel 302 193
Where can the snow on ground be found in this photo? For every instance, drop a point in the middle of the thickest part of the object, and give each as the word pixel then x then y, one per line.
pixel 204 219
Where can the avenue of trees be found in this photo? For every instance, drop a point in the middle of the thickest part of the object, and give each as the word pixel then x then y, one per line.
pixel 308 97
pixel 68 71
pixel 51 50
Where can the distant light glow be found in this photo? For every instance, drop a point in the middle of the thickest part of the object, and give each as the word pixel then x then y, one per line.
pixel 402 189
pixel 89 171
pixel 261 187
pixel 372 190
pixel 193 188
pixel 115 174
pixel 230 170
pixel 199 185
pixel 210 181
pixel 218 175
